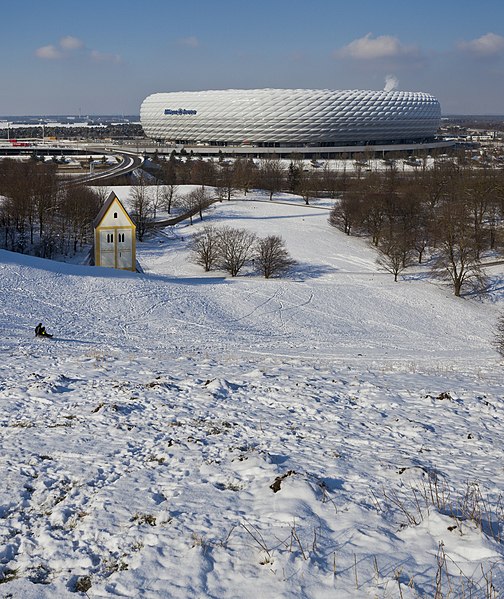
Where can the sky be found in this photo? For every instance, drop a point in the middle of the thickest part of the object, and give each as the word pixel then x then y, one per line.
pixel 106 56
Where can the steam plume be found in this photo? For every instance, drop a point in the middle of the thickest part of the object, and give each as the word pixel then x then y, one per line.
pixel 391 83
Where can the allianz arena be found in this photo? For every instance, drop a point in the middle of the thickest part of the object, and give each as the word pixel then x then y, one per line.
pixel 284 118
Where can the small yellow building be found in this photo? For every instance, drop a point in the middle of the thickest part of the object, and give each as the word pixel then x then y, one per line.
pixel 114 236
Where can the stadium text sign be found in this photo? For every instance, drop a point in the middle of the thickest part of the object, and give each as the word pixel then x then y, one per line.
pixel 179 111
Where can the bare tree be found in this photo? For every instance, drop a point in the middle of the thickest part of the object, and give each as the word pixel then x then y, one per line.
pixel 420 237
pixel 493 222
pixel 157 196
pixel 457 259
pixel 79 207
pixel 195 202
pixel 32 197
pixel 226 181
pixel 236 248
pixel 18 203
pixel 394 255
pixel 346 213
pixel 332 182
pixel 374 199
pixel 480 186
pixel 244 171
pixel 189 205
pixel 271 256
pixel 414 218
pixel 205 247
pixel 45 194
pixel 169 175
pixel 103 192
pixel 271 175
pixel 308 185
pixel 203 172
pixel 141 204
pixel 169 196
pixel 437 186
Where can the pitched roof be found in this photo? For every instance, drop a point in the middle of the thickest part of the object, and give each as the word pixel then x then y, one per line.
pixel 108 202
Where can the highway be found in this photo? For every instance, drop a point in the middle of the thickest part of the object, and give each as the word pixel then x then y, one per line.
pixel 129 162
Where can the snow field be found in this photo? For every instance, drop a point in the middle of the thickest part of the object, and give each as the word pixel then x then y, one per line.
pixel 191 435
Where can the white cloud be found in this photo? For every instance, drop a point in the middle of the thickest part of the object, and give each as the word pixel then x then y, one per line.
pixel 191 41
pixel 67 47
pixel 369 48
pixel 489 44
pixel 49 52
pixel 71 43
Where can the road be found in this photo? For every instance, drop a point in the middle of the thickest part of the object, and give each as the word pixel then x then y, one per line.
pixel 129 162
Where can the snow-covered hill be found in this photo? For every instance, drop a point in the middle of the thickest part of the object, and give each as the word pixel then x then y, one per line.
pixel 329 434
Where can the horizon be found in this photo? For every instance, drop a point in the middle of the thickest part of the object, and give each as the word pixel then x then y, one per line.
pixel 5 118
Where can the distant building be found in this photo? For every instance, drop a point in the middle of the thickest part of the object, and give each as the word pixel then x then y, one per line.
pixel 114 236
pixel 291 119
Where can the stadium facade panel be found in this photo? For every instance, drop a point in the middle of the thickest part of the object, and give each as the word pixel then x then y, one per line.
pixel 283 117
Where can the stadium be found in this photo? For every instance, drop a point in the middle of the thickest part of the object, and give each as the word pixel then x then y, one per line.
pixel 286 121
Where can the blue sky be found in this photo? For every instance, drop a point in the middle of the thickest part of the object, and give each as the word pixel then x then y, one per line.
pixel 106 56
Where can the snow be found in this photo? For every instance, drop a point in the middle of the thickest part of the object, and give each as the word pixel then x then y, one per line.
pixel 188 434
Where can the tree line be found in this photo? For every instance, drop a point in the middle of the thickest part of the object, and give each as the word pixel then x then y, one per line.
pixel 40 216
pixel 106 131
pixel 240 175
pixel 451 214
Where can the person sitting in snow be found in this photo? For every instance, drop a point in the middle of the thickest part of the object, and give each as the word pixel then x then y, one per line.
pixel 40 331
